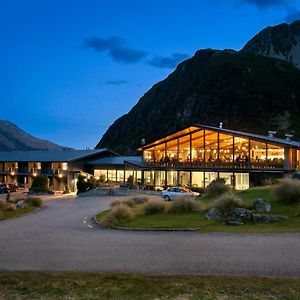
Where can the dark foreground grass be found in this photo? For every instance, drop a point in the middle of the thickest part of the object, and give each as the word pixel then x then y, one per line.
pixel 198 220
pixel 18 212
pixel 42 285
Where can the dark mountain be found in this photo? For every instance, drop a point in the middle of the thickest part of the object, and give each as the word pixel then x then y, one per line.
pixel 14 138
pixel 281 41
pixel 246 92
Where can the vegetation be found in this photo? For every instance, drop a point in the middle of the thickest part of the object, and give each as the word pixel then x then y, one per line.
pixel 116 215
pixel 217 187
pixel 151 208
pixel 196 219
pixel 227 201
pixel 32 201
pixel 288 190
pixel 55 285
pixel 40 184
pixel 85 184
pixel 184 205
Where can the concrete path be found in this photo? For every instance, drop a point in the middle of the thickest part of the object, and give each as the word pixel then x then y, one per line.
pixel 60 237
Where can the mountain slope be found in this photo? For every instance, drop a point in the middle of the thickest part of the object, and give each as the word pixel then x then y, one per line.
pixel 244 91
pixel 281 41
pixel 14 138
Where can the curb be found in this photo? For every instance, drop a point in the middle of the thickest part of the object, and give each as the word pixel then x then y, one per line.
pixel 146 229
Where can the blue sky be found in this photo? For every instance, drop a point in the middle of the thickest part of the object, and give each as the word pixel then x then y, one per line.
pixel 69 68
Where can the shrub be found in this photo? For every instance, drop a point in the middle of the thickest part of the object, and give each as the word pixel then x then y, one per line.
pixel 200 190
pixel 217 187
pixel 139 199
pixel 225 202
pixel 115 203
pixel 184 204
pixel 117 214
pixel 8 206
pixel 2 216
pixel 287 190
pixel 40 184
pixel 84 184
pixel 37 202
pixel 151 208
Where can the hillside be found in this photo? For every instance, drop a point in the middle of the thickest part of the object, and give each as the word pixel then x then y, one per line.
pixel 281 41
pixel 244 91
pixel 14 138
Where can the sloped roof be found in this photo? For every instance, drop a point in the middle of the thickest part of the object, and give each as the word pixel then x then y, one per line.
pixel 48 156
pixel 115 160
pixel 196 127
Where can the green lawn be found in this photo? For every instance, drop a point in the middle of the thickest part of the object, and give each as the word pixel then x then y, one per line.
pixel 197 219
pixel 16 213
pixel 44 285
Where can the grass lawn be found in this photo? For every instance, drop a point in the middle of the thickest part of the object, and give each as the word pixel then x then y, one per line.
pixel 197 219
pixel 44 285
pixel 16 213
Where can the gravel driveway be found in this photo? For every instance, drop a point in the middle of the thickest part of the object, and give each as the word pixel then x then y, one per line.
pixel 60 237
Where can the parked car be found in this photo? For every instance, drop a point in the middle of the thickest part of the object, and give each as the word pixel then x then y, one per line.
pixel 172 192
pixel 12 187
pixel 4 188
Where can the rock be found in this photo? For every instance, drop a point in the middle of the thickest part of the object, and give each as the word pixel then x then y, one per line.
pixel 20 204
pixel 258 218
pixel 234 223
pixel 262 205
pixel 213 214
pixel 238 214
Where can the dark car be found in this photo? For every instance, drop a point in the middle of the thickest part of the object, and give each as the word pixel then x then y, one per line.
pixel 12 187
pixel 4 188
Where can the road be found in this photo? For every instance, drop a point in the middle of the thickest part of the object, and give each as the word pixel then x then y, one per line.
pixel 60 237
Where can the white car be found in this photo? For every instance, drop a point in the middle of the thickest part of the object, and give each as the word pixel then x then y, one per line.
pixel 172 192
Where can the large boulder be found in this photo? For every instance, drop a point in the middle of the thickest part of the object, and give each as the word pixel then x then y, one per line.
pixel 213 214
pixel 259 218
pixel 262 205
pixel 238 214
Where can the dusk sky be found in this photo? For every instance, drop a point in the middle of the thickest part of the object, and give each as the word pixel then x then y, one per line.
pixel 70 68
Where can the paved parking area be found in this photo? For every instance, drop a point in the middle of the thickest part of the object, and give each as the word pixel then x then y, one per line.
pixel 61 237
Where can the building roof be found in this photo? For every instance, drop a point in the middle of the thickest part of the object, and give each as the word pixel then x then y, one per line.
pixel 115 160
pixel 196 127
pixel 49 156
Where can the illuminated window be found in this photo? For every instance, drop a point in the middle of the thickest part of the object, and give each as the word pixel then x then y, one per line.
pixel 171 178
pixel 160 179
pixel 159 152
pixel 241 149
pixel 258 151
pixel 148 155
pixel 225 148
pixel 172 151
pixel 211 146
pixel 198 179
pixel 198 146
pixel 184 178
pixel 184 149
pixel 275 154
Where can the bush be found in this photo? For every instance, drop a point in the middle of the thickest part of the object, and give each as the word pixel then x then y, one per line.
pixel 40 184
pixel 287 190
pixel 8 206
pixel 184 204
pixel 217 187
pixel 139 199
pixel 200 190
pixel 2 216
pixel 37 202
pixel 84 184
pixel 151 208
pixel 225 202
pixel 117 214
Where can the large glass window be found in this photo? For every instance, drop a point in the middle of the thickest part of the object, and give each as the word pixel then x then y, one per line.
pixel 225 147
pixel 211 146
pixel 184 178
pixel 184 149
pixel 160 179
pixel 258 151
pixel 275 154
pixel 241 181
pixel 98 173
pixel 149 178
pixel 112 175
pixel 159 152
pixel 172 153
pixel 241 149
pixel 228 178
pixel 148 155
pixel 209 177
pixel 120 175
pixel 198 179
pixel 171 178
pixel 198 146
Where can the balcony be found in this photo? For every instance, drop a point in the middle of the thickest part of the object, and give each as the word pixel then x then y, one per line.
pixel 216 165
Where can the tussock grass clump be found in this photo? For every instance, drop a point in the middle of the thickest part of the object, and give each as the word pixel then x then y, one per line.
pixel 151 208
pixel 117 214
pixel 37 202
pixel 139 199
pixel 287 190
pixel 2 216
pixel 217 187
pixel 8 206
pixel 184 204
pixel 227 201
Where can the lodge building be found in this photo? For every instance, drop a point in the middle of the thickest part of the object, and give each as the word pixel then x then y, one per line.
pixel 194 157
pixel 199 154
